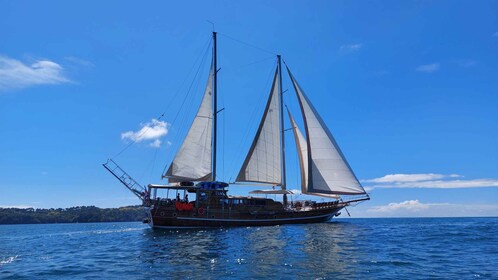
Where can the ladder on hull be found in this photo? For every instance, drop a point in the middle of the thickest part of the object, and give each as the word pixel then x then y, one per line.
pixel 130 183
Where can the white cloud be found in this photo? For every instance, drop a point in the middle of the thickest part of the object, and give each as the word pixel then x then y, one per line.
pixel 395 178
pixel 410 205
pixel 150 131
pixel 15 74
pixel 428 68
pixel 155 144
pixel 415 208
pixel 429 180
pixel 350 48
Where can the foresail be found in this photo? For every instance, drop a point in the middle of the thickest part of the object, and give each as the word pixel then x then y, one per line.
pixel 193 160
pixel 302 151
pixel 328 170
pixel 264 159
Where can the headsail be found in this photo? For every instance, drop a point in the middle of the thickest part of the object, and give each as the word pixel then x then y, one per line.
pixel 264 159
pixel 302 151
pixel 328 172
pixel 193 160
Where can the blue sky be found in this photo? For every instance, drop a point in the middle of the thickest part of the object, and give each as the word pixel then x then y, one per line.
pixel 408 88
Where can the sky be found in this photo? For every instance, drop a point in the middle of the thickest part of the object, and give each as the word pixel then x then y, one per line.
pixel 409 89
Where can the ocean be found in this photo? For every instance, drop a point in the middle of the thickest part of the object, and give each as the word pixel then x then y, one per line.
pixel 399 248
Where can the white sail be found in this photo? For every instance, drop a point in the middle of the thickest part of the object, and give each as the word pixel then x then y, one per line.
pixel 193 160
pixel 264 159
pixel 302 151
pixel 328 170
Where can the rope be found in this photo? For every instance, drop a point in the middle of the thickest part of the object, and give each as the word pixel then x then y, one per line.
pixel 247 44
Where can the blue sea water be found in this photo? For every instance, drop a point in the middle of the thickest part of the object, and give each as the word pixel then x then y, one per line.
pixel 413 248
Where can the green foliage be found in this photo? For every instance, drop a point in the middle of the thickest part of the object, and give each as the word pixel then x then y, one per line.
pixel 79 214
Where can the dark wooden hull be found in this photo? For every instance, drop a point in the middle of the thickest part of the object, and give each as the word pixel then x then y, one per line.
pixel 166 218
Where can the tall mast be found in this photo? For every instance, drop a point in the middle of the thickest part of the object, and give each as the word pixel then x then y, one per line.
pixel 282 130
pixel 215 108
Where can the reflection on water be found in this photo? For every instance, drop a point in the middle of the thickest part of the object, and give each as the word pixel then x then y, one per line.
pixel 321 249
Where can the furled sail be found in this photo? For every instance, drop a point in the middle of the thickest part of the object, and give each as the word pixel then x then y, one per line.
pixel 328 171
pixel 264 159
pixel 193 160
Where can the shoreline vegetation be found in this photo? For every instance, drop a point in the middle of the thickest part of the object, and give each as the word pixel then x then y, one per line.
pixel 78 214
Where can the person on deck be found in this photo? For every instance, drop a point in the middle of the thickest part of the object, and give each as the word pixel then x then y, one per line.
pixel 177 196
pixel 186 198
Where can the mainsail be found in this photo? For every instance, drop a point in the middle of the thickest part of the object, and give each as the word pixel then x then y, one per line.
pixel 264 159
pixel 328 172
pixel 194 159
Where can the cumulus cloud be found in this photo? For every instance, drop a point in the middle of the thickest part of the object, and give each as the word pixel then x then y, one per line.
pixel 410 205
pixel 429 180
pixel 428 68
pixel 350 48
pixel 150 131
pixel 396 178
pixel 415 208
pixel 156 143
pixel 15 74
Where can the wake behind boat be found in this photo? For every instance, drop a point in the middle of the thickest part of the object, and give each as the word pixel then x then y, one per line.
pixel 323 168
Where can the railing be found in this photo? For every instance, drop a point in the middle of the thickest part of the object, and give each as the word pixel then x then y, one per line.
pixel 125 179
pixel 305 205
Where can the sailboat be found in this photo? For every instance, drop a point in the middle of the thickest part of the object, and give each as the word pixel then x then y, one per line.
pixel 324 170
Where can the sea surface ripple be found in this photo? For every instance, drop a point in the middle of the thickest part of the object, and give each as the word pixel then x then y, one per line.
pixel 411 248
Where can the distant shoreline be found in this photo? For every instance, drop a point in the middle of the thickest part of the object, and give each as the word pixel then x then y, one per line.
pixel 135 213
pixel 79 214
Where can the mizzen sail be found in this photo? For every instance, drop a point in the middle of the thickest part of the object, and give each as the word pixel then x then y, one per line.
pixel 328 172
pixel 264 159
pixel 193 162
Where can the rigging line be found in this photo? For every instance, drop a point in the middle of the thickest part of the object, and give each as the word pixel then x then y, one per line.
pixel 252 63
pixel 199 58
pixel 148 166
pixel 188 92
pixel 162 115
pixel 248 44
pixel 221 88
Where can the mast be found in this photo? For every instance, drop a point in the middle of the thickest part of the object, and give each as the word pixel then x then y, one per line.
pixel 215 107
pixel 282 130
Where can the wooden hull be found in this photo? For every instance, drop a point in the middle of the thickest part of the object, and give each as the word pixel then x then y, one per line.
pixel 166 218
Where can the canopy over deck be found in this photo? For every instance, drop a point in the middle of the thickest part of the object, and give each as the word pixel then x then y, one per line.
pixel 271 192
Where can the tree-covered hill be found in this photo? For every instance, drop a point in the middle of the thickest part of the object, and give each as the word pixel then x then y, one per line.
pixel 79 214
